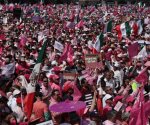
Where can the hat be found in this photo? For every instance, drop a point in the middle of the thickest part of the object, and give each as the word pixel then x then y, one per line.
pixel 130 99
pixel 45 68
pixel 54 63
pixel 116 64
pixel 56 69
pixel 16 92
pixel 67 86
pixel 106 97
pixel 109 49
pixel 53 76
pixel 117 98
pixel 147 63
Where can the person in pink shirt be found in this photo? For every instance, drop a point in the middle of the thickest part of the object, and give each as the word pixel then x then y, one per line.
pixel 40 109
pixel 54 83
pixel 55 98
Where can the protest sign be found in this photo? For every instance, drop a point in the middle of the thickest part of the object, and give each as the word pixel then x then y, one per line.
pixel 70 76
pixel 46 123
pixel 118 106
pixel 94 65
pixel 90 58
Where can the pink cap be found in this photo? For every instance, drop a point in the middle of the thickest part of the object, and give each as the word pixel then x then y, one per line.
pixel 128 109
pixel 53 76
pixel 147 63
pixel 56 68
pixel 129 99
pixel 117 98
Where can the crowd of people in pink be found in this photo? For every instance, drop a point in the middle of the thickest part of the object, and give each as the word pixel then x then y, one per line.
pixel 74 65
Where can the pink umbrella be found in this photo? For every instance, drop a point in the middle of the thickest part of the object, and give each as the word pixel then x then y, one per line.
pixel 67 106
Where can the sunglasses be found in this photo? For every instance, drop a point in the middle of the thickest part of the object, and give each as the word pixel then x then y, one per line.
pixel 45 81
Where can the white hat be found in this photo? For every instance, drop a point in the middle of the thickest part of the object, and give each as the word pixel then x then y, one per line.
pixel 106 97
pixel 109 49
pixel 54 63
pixel 45 68
pixel 102 51
pixel 116 64
pixel 31 62
pixel 16 92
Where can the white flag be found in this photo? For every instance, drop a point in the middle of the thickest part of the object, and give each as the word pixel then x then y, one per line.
pixel 142 54
pixel 9 69
pixel 58 46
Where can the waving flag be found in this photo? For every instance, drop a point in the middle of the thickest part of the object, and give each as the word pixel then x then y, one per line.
pixel 29 99
pixel 138 114
pixel 123 30
pixel 98 44
pixel 36 69
pixel 142 77
pixel 108 27
pixel 137 27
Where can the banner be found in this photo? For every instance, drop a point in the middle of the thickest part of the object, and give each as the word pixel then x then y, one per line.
pixel 94 65
pixel 70 76
pixel 91 58
pixel 46 123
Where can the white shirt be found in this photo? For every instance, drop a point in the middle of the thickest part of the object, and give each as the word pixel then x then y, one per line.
pixel 109 83
pixel 107 122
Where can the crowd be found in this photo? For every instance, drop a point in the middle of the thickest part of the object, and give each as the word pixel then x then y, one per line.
pixel 99 55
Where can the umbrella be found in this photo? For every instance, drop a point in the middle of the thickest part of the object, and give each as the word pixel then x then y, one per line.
pixel 68 106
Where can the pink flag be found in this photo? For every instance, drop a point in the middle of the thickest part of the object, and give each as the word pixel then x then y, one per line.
pixel 133 50
pixel 23 41
pixel 142 77
pixel 138 114
pixel 67 54
pixel 77 94
pixel 80 24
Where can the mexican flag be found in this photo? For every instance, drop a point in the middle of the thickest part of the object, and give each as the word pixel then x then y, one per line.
pixel 36 69
pixel 141 4
pixel 137 27
pixel 108 27
pixel 36 11
pixel 29 99
pixel 123 30
pixel 98 43
pixel 42 1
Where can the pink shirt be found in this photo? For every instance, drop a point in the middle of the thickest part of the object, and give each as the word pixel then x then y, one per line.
pixel 55 86
pixel 39 108
pixel 56 116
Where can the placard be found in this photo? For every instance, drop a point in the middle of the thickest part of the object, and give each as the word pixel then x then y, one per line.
pixel 70 76
pixel 118 106
pixel 94 65
pixel 91 58
pixel 46 123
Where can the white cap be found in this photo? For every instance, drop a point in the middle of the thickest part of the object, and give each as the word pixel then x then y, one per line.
pixel 116 64
pixel 109 49
pixel 120 55
pixel 16 92
pixel 54 63
pixel 45 68
pixel 106 97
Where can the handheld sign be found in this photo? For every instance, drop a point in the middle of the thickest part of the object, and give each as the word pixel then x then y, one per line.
pixel 46 123
pixel 70 76
pixel 118 106
pixel 91 58
pixel 94 65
